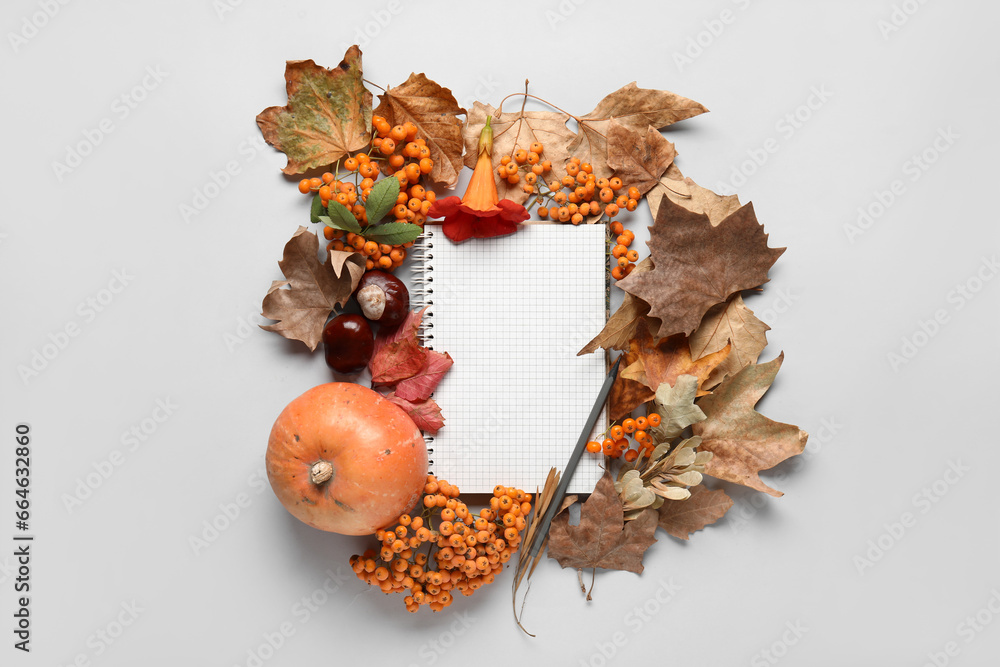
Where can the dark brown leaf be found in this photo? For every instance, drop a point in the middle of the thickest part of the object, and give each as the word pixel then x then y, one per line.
pixel 638 158
pixel 434 110
pixel 680 518
pixel 602 539
pixel 314 289
pixel 697 265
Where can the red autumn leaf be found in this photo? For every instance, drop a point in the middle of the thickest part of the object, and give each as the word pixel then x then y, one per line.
pixel 409 326
pixel 425 414
pixel 397 361
pixel 422 385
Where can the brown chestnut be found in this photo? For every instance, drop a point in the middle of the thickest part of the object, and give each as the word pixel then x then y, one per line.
pixel 349 343
pixel 383 298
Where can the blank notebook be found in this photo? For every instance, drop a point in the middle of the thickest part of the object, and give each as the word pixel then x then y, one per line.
pixel 513 311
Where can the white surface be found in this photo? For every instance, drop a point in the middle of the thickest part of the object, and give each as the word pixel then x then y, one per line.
pixel 184 329
pixel 513 311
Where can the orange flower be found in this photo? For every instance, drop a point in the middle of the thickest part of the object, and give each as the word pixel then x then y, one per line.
pixel 480 213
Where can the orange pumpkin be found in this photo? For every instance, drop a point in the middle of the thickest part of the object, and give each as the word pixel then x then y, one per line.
pixel 344 459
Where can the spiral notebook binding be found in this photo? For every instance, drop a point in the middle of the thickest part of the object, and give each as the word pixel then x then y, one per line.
pixel 422 296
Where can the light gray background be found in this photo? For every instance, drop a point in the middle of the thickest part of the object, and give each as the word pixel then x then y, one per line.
pixel 183 330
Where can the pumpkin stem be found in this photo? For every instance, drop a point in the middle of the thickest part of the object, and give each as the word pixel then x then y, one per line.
pixel 321 472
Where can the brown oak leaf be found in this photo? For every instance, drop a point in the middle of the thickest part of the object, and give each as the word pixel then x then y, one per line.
pixel 434 110
pixel 622 326
pixel 744 441
pixel 602 539
pixel 685 192
pixel 696 265
pixel 635 108
pixel 314 288
pixel 680 518
pixel 518 130
pixel 730 322
pixel 638 158
pixel 425 414
pixel 328 115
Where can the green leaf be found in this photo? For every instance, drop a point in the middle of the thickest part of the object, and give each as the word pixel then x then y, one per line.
pixel 317 209
pixel 341 218
pixel 393 233
pixel 381 199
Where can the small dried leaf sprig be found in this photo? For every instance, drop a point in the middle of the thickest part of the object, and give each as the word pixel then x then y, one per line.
pixel 665 475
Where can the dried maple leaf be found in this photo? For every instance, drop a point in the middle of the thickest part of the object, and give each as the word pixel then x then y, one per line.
pixel 518 129
pixel 622 326
pixel 680 518
pixel 425 414
pixel 434 110
pixel 743 440
pixel 638 158
pixel 696 265
pixel 685 192
pixel 663 361
pixel 602 539
pixel 729 323
pixel 635 108
pixel 419 387
pixel 314 288
pixel 328 115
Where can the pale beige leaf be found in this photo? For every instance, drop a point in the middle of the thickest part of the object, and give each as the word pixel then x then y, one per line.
pixel 512 130
pixel 729 323
pixel 676 407
pixel 685 192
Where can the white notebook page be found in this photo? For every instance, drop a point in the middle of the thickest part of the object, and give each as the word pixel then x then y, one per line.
pixel 512 312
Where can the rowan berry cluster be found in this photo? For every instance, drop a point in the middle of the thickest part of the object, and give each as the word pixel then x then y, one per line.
pixel 397 152
pixel 464 552
pixel 617 443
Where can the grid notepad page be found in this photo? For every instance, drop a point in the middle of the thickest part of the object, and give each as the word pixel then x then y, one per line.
pixel 513 311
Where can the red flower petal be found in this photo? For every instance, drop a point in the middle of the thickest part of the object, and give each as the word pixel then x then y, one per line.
pixel 459 226
pixel 444 207
pixel 512 211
